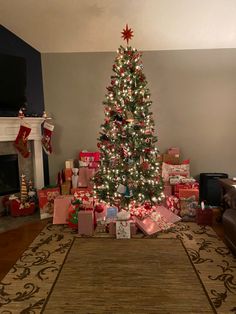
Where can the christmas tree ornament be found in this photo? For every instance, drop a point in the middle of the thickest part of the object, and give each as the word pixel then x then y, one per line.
pixel 129 116
pixel 121 189
pixel 21 141
pixel 46 138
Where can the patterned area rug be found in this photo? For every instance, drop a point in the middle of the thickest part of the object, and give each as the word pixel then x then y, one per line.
pixel 25 289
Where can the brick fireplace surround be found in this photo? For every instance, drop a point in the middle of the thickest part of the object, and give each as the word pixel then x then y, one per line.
pixel 9 127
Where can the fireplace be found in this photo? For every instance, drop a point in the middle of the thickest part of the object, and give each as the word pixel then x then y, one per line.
pixel 9 127
pixel 9 174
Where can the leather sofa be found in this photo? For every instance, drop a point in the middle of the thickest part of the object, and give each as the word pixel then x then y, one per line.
pixel 229 219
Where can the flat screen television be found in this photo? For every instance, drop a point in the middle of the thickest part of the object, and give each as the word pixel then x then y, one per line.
pixel 12 84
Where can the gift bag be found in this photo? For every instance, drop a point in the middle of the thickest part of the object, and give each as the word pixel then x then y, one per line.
pixel 123 229
pixel 46 201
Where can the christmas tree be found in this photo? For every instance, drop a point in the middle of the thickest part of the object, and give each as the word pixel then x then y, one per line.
pixel 130 170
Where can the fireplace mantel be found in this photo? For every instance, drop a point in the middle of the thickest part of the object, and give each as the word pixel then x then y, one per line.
pixel 9 127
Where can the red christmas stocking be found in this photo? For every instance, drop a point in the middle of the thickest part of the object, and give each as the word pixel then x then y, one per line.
pixel 21 141
pixel 46 139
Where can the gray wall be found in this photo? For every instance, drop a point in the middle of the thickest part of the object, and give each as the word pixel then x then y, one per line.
pixel 194 103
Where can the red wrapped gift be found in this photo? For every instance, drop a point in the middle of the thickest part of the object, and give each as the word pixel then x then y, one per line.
pixel 186 186
pixel 18 209
pixel 186 193
pixel 204 217
pixel 46 201
pixel 89 156
pixel 173 204
pixel 85 195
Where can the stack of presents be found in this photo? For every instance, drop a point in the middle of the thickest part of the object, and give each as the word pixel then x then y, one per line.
pixel 71 202
pixel 182 191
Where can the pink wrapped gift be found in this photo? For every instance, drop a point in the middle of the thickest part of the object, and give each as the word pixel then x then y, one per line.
pixel 85 176
pixel 93 164
pixel 166 213
pixel 167 190
pixel 85 222
pixel 61 205
pixel 150 227
pixel 89 156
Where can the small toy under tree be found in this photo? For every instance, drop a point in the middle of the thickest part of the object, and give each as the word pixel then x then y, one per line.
pixel 130 170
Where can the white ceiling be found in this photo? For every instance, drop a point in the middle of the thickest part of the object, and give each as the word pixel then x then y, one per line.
pixel 96 25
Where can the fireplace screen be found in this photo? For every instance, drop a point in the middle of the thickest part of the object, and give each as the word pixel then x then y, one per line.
pixel 9 174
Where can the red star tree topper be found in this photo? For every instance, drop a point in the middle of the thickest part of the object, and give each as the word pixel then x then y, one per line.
pixel 127 33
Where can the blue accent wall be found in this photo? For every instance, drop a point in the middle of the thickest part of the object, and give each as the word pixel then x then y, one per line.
pixel 13 45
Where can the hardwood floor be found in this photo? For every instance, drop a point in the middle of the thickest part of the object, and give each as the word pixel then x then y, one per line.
pixel 14 242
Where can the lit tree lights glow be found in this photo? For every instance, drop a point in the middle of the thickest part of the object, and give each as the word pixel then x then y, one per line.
pixel 130 170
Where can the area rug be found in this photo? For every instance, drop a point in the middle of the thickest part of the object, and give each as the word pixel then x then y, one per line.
pixel 138 276
pixel 29 285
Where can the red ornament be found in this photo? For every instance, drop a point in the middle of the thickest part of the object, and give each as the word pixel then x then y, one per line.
pixel 127 34
pixel 99 208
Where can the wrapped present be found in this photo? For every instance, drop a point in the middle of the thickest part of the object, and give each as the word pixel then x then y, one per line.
pixel 170 170
pixel 111 213
pixel 68 174
pixel 112 228
pixel 167 190
pixel 174 151
pixel 85 176
pixel 61 206
pixel 83 163
pixel 19 209
pixel 188 207
pixel 46 198
pixel 89 156
pixel 66 188
pixel 186 186
pixel 171 159
pixel 186 193
pixel 140 211
pixel 93 165
pixel 123 229
pixel 166 213
pixel 85 195
pixel 173 204
pixel 150 226
pixel 204 217
pixel 86 222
